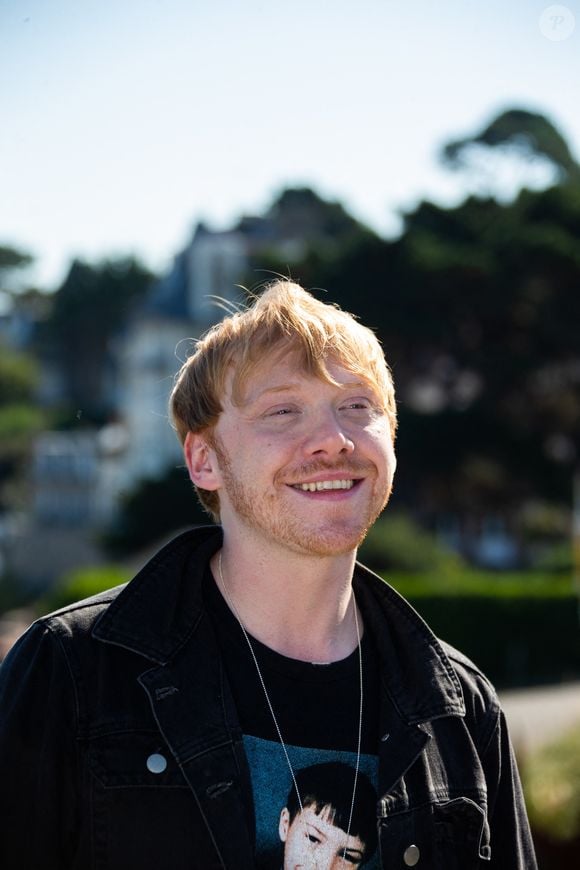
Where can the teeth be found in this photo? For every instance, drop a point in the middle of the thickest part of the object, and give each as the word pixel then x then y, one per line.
pixel 321 485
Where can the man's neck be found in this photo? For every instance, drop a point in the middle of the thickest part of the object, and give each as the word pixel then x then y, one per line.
pixel 298 605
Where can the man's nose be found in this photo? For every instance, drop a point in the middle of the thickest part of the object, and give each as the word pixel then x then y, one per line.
pixel 326 435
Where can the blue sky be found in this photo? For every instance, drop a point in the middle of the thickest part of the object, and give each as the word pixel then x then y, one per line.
pixel 125 122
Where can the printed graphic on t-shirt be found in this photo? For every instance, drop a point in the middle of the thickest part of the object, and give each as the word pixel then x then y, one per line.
pixel 318 834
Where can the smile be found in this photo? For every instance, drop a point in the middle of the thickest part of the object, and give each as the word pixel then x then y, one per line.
pixel 321 485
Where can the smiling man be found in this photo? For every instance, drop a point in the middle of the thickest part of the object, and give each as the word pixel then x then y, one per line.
pixel 162 723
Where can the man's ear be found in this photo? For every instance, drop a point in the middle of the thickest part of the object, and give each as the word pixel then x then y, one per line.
pixel 201 461
pixel 283 825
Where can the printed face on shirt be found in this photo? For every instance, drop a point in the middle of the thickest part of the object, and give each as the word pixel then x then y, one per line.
pixel 306 464
pixel 312 841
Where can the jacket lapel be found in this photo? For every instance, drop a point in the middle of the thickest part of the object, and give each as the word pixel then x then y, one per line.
pixel 400 747
pixel 160 616
pixel 194 712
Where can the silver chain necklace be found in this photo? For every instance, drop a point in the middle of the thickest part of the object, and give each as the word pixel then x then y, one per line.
pixel 275 721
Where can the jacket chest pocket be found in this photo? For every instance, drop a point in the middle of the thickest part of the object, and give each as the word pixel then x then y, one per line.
pixel 132 760
pixel 143 814
pixel 449 835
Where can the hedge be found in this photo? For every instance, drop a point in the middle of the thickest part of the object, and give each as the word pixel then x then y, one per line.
pixel 519 629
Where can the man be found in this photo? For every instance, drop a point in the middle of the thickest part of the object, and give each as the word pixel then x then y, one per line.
pixel 141 728
pixel 318 831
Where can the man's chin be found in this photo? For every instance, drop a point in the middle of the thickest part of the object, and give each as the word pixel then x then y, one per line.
pixel 339 542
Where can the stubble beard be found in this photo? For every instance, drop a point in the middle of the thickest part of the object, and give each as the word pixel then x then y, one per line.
pixel 263 513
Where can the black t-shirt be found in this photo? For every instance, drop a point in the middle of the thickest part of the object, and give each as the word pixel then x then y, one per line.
pixel 317 710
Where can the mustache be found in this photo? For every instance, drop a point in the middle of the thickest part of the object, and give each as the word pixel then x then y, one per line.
pixel 348 467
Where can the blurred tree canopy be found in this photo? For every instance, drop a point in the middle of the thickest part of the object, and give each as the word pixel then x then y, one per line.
pixel 89 309
pixel 141 521
pixel 12 259
pixel 526 134
pixel 20 419
pixel 18 376
pixel 551 778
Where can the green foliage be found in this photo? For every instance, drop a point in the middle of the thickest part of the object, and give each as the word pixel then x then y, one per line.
pixel 468 582
pixel 521 628
pixel 397 543
pixel 20 418
pixel 555 557
pixel 82 583
pixel 551 778
pixel 12 258
pixel 152 510
pixel 19 421
pixel 526 133
pixel 89 308
pixel 18 424
pixel 18 376
pixel 104 292
pixel 519 631
pixel 14 595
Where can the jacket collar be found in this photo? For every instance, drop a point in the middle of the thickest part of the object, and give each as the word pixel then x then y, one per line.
pixel 416 672
pixel 156 614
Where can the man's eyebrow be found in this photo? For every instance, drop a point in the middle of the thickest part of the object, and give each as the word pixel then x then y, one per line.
pixel 278 388
pixel 282 388
pixel 351 385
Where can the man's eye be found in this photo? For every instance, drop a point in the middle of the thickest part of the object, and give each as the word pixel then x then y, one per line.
pixel 313 838
pixel 358 405
pixel 280 412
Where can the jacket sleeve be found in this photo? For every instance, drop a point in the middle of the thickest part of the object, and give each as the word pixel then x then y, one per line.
pixel 511 841
pixel 38 760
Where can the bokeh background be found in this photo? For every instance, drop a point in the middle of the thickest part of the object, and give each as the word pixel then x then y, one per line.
pixel 417 163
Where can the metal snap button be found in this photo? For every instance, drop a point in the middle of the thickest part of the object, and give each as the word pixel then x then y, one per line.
pixel 411 856
pixel 156 763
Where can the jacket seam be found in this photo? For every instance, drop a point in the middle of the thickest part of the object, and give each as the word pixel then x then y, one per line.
pixel 489 719
pixel 438 797
pixel 57 639
pixel 493 730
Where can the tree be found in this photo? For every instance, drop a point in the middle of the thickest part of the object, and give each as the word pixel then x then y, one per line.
pixel 12 259
pixel 152 510
pixel 525 135
pixel 20 419
pixel 89 309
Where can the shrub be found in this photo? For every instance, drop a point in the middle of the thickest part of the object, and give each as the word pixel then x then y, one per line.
pixel 520 629
pixel 82 583
pixel 396 542
pixel 551 778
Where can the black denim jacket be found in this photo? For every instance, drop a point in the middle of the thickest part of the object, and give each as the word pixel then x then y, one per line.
pixel 120 746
